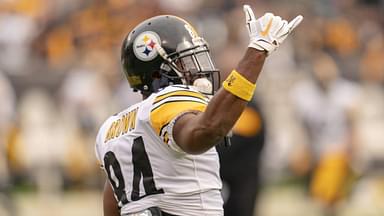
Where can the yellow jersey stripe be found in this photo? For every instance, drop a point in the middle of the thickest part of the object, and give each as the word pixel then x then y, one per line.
pixel 163 114
pixel 179 93
pixel 176 99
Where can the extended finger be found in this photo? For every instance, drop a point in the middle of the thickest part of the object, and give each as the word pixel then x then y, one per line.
pixel 249 15
pixel 295 22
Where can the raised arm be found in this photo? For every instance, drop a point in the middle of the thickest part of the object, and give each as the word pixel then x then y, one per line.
pixel 195 133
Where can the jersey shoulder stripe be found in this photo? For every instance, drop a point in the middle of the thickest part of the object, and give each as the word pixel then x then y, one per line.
pixel 177 99
pixel 179 92
pixel 173 101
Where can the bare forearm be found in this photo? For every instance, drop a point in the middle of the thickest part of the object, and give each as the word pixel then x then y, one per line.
pixel 251 64
pixel 225 108
pixel 222 111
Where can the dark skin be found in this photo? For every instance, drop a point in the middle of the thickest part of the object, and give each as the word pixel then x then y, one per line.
pixel 196 133
pixel 110 206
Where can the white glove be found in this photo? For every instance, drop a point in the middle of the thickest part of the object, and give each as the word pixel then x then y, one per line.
pixel 269 31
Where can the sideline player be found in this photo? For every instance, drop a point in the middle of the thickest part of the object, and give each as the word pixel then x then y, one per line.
pixel 241 163
pixel 158 154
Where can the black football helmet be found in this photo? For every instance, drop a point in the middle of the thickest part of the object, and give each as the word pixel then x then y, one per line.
pixel 166 50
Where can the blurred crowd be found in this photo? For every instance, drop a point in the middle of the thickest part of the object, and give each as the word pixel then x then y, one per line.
pixel 322 93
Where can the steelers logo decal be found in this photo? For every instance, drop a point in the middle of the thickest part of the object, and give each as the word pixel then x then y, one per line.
pixel 144 46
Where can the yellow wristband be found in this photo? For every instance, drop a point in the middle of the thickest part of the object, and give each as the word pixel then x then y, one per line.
pixel 239 86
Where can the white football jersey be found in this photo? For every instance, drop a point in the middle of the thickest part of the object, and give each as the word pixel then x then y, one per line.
pixel 146 168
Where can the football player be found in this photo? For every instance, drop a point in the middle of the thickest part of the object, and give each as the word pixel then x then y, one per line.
pixel 158 154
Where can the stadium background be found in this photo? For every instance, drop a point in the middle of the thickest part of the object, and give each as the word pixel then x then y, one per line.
pixel 60 78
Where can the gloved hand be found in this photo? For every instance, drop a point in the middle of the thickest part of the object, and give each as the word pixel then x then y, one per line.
pixel 269 31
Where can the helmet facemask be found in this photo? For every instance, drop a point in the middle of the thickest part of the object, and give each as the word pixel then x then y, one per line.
pixel 191 64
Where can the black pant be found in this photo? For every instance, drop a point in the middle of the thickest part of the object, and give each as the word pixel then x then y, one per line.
pixel 166 214
pixel 240 165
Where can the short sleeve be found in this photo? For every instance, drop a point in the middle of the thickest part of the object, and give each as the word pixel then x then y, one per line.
pixel 98 150
pixel 98 160
pixel 169 106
